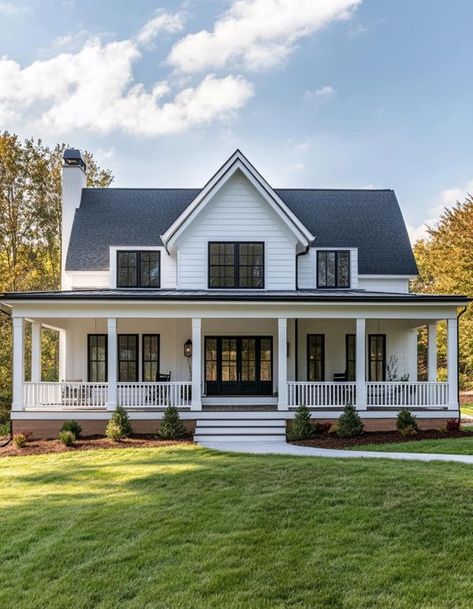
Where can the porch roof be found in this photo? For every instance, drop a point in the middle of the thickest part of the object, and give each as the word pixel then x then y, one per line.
pixel 341 296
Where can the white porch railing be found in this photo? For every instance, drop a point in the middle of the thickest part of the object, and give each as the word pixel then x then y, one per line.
pixel 407 394
pixel 320 394
pixel 144 395
pixel 65 395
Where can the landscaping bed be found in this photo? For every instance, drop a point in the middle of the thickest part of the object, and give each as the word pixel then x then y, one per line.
pixel 382 437
pixel 41 447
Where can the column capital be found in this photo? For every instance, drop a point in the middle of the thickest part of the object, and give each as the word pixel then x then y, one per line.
pixel 196 322
pixel 111 323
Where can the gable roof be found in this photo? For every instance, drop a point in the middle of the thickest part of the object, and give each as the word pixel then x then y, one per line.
pixel 369 220
pixel 237 162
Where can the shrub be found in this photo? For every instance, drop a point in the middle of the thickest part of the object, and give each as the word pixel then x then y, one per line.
pixel 301 428
pixel 350 424
pixel 72 426
pixel 172 428
pixel 453 425
pixel 113 431
pixel 120 417
pixel 333 431
pixel 67 438
pixel 406 422
pixel 20 440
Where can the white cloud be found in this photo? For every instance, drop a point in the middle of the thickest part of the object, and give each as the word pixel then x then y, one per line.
pixel 9 9
pixel 323 92
pixel 94 89
pixel 447 198
pixel 161 22
pixel 256 33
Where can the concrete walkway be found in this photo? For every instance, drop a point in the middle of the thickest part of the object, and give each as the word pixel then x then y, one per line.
pixel 282 448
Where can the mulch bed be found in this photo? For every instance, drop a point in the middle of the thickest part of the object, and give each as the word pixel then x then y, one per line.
pixel 42 447
pixel 382 437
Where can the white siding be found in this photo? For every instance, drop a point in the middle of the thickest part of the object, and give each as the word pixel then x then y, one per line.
pixel 237 213
pixel 79 280
pixel 384 284
pixel 308 267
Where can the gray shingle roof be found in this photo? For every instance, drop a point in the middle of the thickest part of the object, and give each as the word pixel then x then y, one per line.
pixel 370 220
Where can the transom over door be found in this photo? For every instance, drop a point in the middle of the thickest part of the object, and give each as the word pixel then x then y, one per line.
pixel 239 365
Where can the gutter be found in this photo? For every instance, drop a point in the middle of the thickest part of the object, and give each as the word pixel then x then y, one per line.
pixel 303 253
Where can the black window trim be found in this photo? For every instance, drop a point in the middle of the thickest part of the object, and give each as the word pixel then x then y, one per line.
pixel 347 339
pixel 323 356
pixel 143 354
pixel 236 264
pixel 138 268
pixel 336 252
pixel 369 358
pixel 137 356
pixel 89 336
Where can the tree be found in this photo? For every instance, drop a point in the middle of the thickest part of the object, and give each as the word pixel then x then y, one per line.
pixel 445 261
pixel 30 231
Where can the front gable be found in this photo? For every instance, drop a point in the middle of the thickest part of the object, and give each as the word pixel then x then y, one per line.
pixel 237 164
pixel 237 212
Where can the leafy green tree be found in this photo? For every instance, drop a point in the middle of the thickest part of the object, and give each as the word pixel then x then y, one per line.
pixel 445 261
pixel 30 233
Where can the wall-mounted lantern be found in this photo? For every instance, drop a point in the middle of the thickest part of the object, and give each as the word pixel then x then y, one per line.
pixel 188 348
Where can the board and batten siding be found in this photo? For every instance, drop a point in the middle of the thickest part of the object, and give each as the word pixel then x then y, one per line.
pixel 237 212
pixel 307 266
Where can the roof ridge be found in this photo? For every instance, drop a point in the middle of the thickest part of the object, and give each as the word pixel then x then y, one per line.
pixel 172 188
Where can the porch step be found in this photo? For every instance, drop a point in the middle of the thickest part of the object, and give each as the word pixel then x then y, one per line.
pixel 244 430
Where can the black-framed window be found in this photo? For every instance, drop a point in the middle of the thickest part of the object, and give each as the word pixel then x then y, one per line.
pixel 377 357
pixel 150 357
pixel 350 356
pixel 97 351
pixel 127 358
pixel 316 357
pixel 333 269
pixel 236 264
pixel 139 269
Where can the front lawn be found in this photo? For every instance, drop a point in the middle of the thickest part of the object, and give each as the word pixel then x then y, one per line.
pixel 182 527
pixel 457 446
pixel 467 410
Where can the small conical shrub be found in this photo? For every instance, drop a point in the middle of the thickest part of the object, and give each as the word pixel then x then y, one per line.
pixel 350 424
pixel 120 417
pixel 406 422
pixel 172 428
pixel 301 428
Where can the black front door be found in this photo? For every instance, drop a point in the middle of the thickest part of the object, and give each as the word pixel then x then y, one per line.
pixel 239 365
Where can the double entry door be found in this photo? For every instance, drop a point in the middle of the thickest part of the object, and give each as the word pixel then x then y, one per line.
pixel 239 365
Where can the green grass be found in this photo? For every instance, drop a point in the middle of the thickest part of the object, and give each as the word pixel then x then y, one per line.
pixel 181 527
pixel 457 446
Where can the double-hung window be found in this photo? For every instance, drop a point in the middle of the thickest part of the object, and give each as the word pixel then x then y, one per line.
pixel 333 269
pixel 139 269
pixel 236 265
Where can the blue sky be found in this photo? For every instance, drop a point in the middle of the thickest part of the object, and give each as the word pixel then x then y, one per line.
pixel 317 93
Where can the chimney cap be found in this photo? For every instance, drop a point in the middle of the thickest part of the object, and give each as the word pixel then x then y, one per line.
pixel 72 157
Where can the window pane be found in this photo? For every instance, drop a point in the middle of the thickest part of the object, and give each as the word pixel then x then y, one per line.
pixel 251 265
pixel 211 359
pixel 377 351
pixel 150 269
pixel 127 357
pixel 351 357
pixel 221 265
pixel 150 357
pixel 127 269
pixel 315 357
pixel 343 270
pixel 322 269
pixel 333 269
pixel 331 279
pixel 97 358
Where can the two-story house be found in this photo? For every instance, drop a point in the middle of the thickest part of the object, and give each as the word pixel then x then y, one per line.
pixel 236 302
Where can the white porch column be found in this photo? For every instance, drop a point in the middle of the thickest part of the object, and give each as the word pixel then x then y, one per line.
pixel 452 363
pixel 412 355
pixel 432 352
pixel 196 403
pixel 18 363
pixel 62 355
pixel 112 363
pixel 282 364
pixel 361 401
pixel 36 352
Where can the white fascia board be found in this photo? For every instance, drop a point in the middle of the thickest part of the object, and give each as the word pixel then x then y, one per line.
pixel 380 276
pixel 236 162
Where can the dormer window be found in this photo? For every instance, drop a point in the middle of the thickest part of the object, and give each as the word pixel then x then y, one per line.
pixel 333 269
pixel 236 265
pixel 138 269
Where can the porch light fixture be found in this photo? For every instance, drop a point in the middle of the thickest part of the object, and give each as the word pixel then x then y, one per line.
pixel 188 348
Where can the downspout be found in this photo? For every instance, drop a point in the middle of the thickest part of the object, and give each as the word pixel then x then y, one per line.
pixel 458 362
pixel 303 253
pixel 296 324
pixel 7 313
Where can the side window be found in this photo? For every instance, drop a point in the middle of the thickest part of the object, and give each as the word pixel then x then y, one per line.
pixel 333 269
pixel 377 357
pixel 316 357
pixel 97 358
pixel 140 269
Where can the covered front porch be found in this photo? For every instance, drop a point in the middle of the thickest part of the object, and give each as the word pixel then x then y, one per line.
pixel 251 363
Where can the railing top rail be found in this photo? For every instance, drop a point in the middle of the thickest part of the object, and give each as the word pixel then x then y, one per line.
pixel 407 383
pixel 336 383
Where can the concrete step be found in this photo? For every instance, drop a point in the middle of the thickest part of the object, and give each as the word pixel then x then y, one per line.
pixel 228 430
pixel 239 438
pixel 281 423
